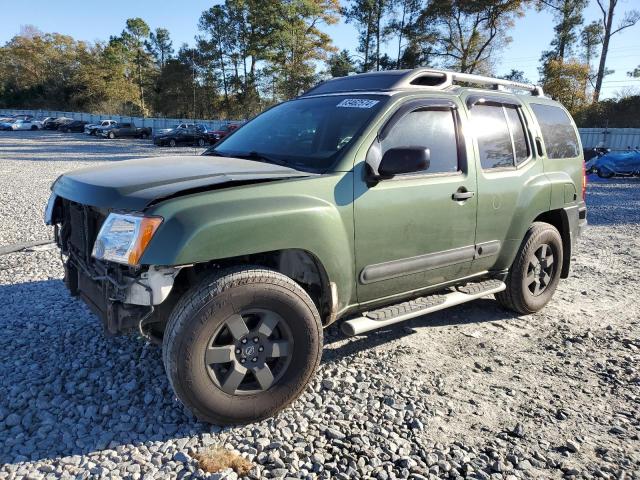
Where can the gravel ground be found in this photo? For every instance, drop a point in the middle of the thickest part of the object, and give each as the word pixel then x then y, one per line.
pixel 471 392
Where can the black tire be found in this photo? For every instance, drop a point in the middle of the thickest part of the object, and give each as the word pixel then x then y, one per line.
pixel 605 174
pixel 201 142
pixel 34 127
pixel 172 143
pixel 111 135
pixel 144 135
pixel 527 290
pixel 217 302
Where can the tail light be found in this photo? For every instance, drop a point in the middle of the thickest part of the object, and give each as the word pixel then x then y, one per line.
pixel 584 183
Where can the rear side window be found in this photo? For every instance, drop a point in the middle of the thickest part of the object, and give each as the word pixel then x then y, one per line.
pixel 558 134
pixel 432 129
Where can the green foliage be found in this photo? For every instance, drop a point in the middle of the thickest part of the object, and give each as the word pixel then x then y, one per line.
pixel 341 64
pixel 612 113
pixel 468 34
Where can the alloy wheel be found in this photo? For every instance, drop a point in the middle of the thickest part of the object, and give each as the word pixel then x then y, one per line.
pixel 249 352
pixel 540 270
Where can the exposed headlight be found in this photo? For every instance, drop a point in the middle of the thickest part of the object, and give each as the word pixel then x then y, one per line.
pixel 123 238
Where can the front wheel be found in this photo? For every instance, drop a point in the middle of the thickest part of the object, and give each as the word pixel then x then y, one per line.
pixel 201 142
pixel 242 345
pixel 172 143
pixel 535 273
pixel 605 173
pixel 112 135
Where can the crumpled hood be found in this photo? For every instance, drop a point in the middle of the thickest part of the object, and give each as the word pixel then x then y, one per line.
pixel 133 184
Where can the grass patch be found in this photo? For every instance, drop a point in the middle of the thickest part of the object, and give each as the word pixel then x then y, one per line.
pixel 217 459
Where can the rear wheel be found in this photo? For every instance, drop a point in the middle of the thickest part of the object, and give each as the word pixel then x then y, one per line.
pixel 535 273
pixel 242 345
pixel 201 142
pixel 34 127
pixel 172 143
pixel 112 135
pixel 144 135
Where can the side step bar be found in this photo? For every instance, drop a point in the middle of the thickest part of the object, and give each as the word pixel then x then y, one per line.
pixel 420 306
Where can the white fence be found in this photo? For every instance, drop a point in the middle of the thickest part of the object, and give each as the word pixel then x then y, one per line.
pixel 613 138
pixel 154 123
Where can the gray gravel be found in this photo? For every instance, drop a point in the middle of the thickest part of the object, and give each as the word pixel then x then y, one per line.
pixel 472 392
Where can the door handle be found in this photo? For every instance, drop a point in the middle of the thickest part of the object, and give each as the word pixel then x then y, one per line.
pixel 462 194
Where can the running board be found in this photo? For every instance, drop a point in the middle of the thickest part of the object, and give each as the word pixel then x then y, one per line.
pixel 420 306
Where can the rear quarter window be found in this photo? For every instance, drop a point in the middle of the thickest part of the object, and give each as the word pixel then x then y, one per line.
pixel 558 134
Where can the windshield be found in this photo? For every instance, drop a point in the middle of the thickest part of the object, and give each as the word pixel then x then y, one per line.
pixel 306 133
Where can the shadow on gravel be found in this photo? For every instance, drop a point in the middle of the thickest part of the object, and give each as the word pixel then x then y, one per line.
pixel 478 311
pixel 68 390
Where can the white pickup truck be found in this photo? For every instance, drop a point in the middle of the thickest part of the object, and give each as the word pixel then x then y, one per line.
pixel 92 128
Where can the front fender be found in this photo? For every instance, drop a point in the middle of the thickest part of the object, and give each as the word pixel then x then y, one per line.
pixel 313 214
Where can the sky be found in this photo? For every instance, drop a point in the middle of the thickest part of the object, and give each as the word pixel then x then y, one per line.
pixel 92 21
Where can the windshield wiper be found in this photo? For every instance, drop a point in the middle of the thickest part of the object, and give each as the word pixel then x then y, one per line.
pixel 213 153
pixel 261 157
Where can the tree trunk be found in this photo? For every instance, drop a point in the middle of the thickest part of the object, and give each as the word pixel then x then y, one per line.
pixel 404 12
pixel 378 19
pixel 608 21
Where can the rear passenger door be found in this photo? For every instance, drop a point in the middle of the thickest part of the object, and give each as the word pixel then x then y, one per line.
pixel 511 181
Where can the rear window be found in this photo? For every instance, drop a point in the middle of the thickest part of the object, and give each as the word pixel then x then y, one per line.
pixel 558 134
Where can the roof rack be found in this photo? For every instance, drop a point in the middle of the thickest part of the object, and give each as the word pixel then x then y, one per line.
pixel 419 78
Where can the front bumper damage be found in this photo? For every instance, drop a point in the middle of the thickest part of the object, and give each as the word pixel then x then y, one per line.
pixel 123 297
pixel 123 300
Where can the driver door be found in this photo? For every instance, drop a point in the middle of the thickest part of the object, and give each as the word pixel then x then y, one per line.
pixel 412 231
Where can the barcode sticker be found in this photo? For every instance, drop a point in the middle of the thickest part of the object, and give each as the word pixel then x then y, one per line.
pixel 357 103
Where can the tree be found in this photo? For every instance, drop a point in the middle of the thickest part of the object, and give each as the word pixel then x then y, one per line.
pixel 566 82
pixel 341 64
pixel 135 38
pixel 161 45
pixel 469 33
pixel 635 73
pixel 516 76
pixel 368 17
pixel 403 25
pixel 569 18
pixel 299 43
pixel 629 19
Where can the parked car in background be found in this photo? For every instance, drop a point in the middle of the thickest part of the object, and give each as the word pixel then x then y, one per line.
pixel 19 124
pixel 75 126
pixel 92 128
pixel 182 136
pixel 179 126
pixel 624 164
pixel 56 123
pixel 127 129
pixel 217 135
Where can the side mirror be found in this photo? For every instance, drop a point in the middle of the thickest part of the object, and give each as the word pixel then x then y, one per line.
pixel 404 160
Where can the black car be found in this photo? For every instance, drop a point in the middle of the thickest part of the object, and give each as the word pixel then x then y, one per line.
pixel 56 123
pixel 75 126
pixel 182 136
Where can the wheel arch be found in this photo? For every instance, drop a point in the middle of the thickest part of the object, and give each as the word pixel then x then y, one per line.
pixel 559 219
pixel 302 266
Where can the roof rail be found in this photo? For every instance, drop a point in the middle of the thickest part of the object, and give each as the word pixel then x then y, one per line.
pixel 419 78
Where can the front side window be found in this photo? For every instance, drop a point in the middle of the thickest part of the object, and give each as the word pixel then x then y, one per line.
pixel 307 133
pixel 558 134
pixel 427 128
pixel 502 141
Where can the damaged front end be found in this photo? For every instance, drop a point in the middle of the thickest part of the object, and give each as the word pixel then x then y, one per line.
pixel 123 296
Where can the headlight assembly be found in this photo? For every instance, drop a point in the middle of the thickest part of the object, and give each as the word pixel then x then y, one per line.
pixel 123 238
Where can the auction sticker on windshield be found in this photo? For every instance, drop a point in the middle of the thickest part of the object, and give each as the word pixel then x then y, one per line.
pixel 357 103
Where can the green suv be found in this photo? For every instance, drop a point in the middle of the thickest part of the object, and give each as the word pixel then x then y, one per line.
pixel 369 200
